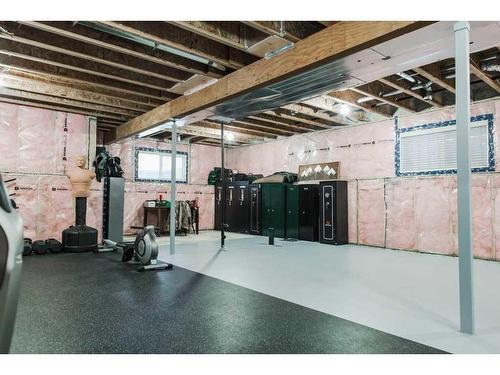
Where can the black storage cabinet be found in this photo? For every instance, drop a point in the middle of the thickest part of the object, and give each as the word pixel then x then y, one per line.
pixel 274 209
pixel 237 207
pixel 255 209
pixel 333 212
pixel 292 212
pixel 309 212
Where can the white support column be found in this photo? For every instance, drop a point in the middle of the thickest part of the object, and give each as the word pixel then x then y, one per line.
pixel 462 108
pixel 173 187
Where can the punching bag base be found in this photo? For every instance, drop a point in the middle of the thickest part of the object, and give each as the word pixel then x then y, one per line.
pixel 79 239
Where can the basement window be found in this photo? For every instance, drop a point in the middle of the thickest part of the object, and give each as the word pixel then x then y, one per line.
pixel 431 148
pixel 152 165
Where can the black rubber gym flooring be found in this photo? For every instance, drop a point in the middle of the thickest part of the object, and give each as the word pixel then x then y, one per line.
pixel 87 303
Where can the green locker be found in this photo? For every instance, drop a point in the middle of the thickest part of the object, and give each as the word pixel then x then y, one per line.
pixel 273 209
pixel 292 211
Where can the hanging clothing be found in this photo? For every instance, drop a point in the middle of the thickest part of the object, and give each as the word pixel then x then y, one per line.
pixel 182 217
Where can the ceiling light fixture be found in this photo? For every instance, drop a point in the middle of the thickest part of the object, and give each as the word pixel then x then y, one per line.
pixel 229 136
pixel 364 99
pixel 344 110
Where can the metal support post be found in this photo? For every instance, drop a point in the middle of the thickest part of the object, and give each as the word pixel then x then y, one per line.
pixel 173 187
pixel 223 192
pixel 462 108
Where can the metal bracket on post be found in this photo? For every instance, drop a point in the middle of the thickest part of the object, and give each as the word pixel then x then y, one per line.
pixel 173 159
pixel 462 109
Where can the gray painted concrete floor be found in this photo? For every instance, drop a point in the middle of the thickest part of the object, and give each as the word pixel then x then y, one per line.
pixel 407 294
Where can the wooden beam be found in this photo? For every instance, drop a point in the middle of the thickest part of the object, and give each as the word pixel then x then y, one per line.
pixel 235 126
pixel 273 124
pixel 110 136
pixel 61 44
pixel 398 85
pixel 216 143
pixel 357 112
pixel 40 87
pixel 108 122
pixel 141 95
pixel 239 134
pixel 291 30
pixel 315 113
pixel 264 129
pixel 195 139
pixel 351 98
pixel 483 76
pixel 212 130
pixel 328 23
pixel 189 138
pixel 289 126
pixel 374 89
pixel 175 37
pixel 111 112
pixel 341 39
pixel 287 114
pixel 101 39
pixel 433 73
pixel 232 34
pixel 37 54
pixel 57 108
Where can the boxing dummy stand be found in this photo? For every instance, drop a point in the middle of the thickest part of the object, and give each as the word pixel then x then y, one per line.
pixel 80 238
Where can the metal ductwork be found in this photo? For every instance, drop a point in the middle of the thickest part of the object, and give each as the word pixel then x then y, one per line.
pixel 418 48
pixel 490 67
pixel 154 45
pixel 408 77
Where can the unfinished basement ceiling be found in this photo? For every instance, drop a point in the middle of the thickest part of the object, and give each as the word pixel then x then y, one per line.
pixel 116 71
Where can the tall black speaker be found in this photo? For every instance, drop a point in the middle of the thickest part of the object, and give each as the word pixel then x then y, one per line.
pixel 333 212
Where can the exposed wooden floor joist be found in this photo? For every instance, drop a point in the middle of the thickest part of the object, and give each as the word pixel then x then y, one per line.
pixel 88 35
pixel 183 40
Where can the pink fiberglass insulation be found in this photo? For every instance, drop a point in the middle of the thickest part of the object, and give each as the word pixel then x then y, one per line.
pixel 27 200
pixel 203 160
pixel 401 222
pixel 352 196
pixel 8 138
pixel 33 146
pixel 364 151
pixel 482 213
pixel 496 216
pixel 435 223
pixel 371 212
pixel 74 139
pixel 36 140
pixel 57 204
pixel 33 140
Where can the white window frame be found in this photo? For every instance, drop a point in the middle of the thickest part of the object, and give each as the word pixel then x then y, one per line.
pixel 179 179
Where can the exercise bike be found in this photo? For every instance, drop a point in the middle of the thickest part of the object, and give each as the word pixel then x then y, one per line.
pixel 144 250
